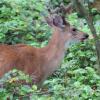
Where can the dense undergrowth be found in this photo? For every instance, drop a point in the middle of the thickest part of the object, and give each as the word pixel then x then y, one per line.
pixel 76 79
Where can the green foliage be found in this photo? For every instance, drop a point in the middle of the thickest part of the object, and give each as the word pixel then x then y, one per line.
pixel 77 79
pixel 55 3
pixel 21 20
pixel 84 55
pixel 16 84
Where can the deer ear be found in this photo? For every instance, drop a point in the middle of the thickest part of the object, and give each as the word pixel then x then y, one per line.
pixel 58 21
pixel 65 22
pixel 49 21
pixel 68 9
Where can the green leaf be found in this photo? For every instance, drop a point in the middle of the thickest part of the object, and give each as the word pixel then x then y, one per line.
pixel 93 59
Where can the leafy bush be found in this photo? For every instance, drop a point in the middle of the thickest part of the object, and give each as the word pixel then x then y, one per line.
pixel 77 79
pixel 22 21
pixel 74 80
pixel 15 84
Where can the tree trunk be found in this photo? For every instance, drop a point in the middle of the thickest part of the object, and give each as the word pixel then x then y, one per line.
pixel 89 19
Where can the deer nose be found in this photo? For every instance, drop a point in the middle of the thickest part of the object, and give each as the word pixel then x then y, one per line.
pixel 86 36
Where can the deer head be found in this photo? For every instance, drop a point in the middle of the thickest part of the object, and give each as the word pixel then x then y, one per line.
pixel 70 34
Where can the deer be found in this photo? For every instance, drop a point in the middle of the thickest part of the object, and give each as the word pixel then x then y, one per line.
pixel 40 63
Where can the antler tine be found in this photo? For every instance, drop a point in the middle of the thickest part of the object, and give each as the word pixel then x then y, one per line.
pixel 57 16
pixel 55 11
pixel 67 9
pixel 60 9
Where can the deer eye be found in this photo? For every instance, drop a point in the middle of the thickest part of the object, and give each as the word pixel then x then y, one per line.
pixel 74 29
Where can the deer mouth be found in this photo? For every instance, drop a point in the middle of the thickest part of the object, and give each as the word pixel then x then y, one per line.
pixel 85 37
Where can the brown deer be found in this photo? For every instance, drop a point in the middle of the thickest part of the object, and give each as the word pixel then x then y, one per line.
pixel 41 62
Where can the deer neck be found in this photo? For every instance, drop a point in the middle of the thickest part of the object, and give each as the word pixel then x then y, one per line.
pixel 55 52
